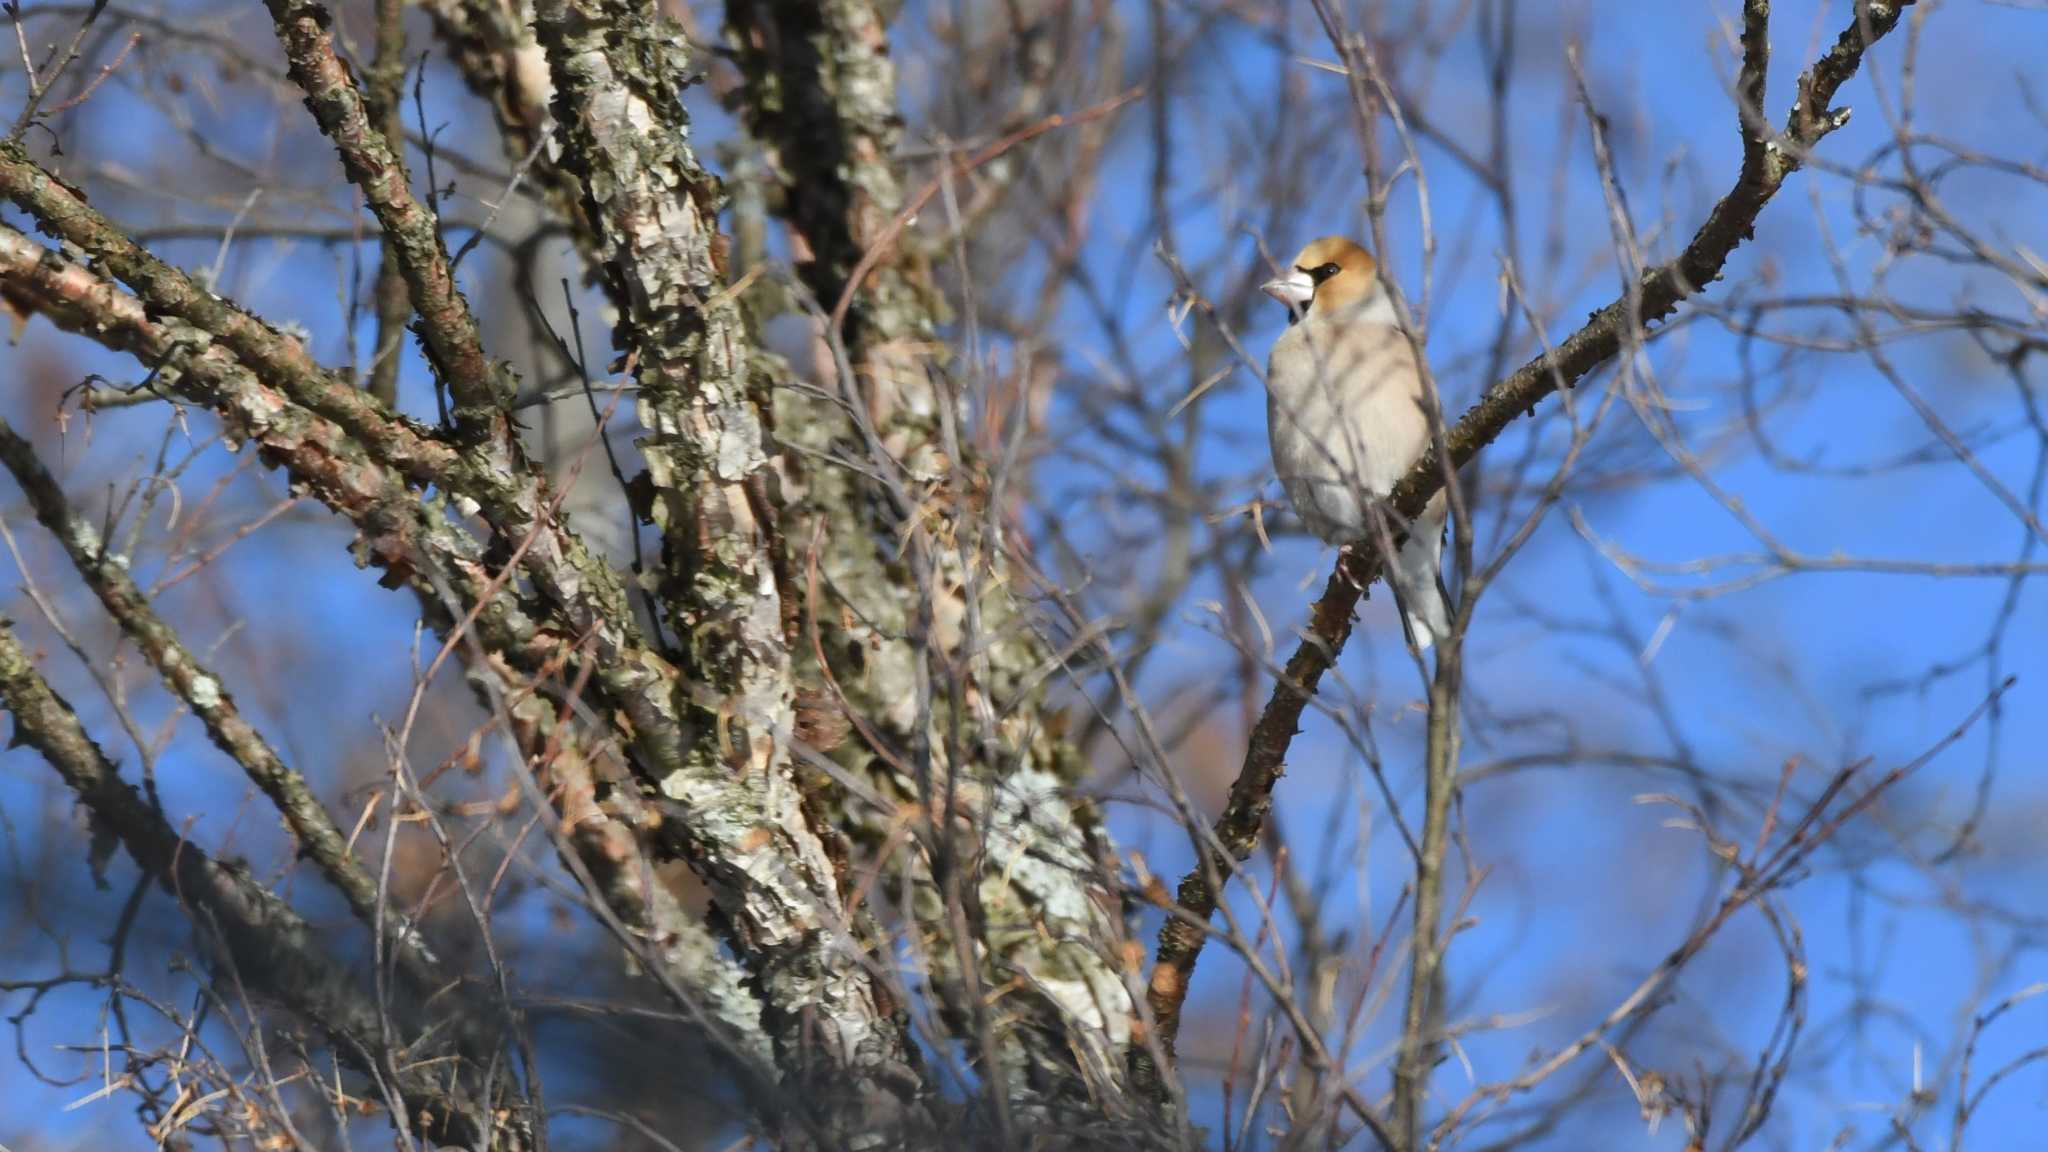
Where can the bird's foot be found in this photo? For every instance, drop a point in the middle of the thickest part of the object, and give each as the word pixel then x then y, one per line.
pixel 1349 562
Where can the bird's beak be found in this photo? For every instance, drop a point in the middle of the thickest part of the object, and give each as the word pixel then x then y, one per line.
pixel 1294 290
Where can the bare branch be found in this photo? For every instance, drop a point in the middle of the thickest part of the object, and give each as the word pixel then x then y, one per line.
pixel 1661 290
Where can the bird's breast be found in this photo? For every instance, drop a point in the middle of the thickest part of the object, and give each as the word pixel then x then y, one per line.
pixel 1344 419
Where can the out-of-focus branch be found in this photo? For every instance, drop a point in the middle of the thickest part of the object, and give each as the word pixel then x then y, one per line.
pixel 203 691
pixel 272 951
pixel 491 44
pixel 1421 1043
pixel 393 298
pixel 619 72
pixel 821 94
pixel 1760 870
pixel 1654 298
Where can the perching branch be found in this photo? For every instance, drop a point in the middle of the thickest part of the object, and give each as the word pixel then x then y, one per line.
pixel 1656 297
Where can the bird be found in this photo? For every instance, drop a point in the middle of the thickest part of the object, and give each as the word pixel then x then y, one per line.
pixel 1346 416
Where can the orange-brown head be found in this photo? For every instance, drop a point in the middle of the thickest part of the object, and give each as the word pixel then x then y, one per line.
pixel 1329 274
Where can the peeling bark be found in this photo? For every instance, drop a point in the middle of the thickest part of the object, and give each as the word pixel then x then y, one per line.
pixel 619 72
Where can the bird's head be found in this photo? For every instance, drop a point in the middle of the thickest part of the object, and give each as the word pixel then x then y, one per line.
pixel 1330 274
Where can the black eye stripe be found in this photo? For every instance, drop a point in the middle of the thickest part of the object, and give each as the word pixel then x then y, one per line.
pixel 1320 273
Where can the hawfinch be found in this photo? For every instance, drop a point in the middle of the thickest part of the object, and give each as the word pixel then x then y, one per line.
pixel 1344 410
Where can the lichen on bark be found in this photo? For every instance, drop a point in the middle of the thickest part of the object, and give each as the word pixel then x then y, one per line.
pixel 821 98
pixel 619 73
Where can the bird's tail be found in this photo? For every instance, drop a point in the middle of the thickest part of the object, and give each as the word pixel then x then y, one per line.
pixel 1415 575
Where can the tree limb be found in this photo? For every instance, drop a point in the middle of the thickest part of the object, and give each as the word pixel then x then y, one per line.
pixel 618 73
pixel 204 692
pixel 482 389
pixel 272 950
pixel 1767 163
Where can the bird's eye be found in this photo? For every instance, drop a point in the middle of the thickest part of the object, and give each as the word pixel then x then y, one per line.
pixel 1323 273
